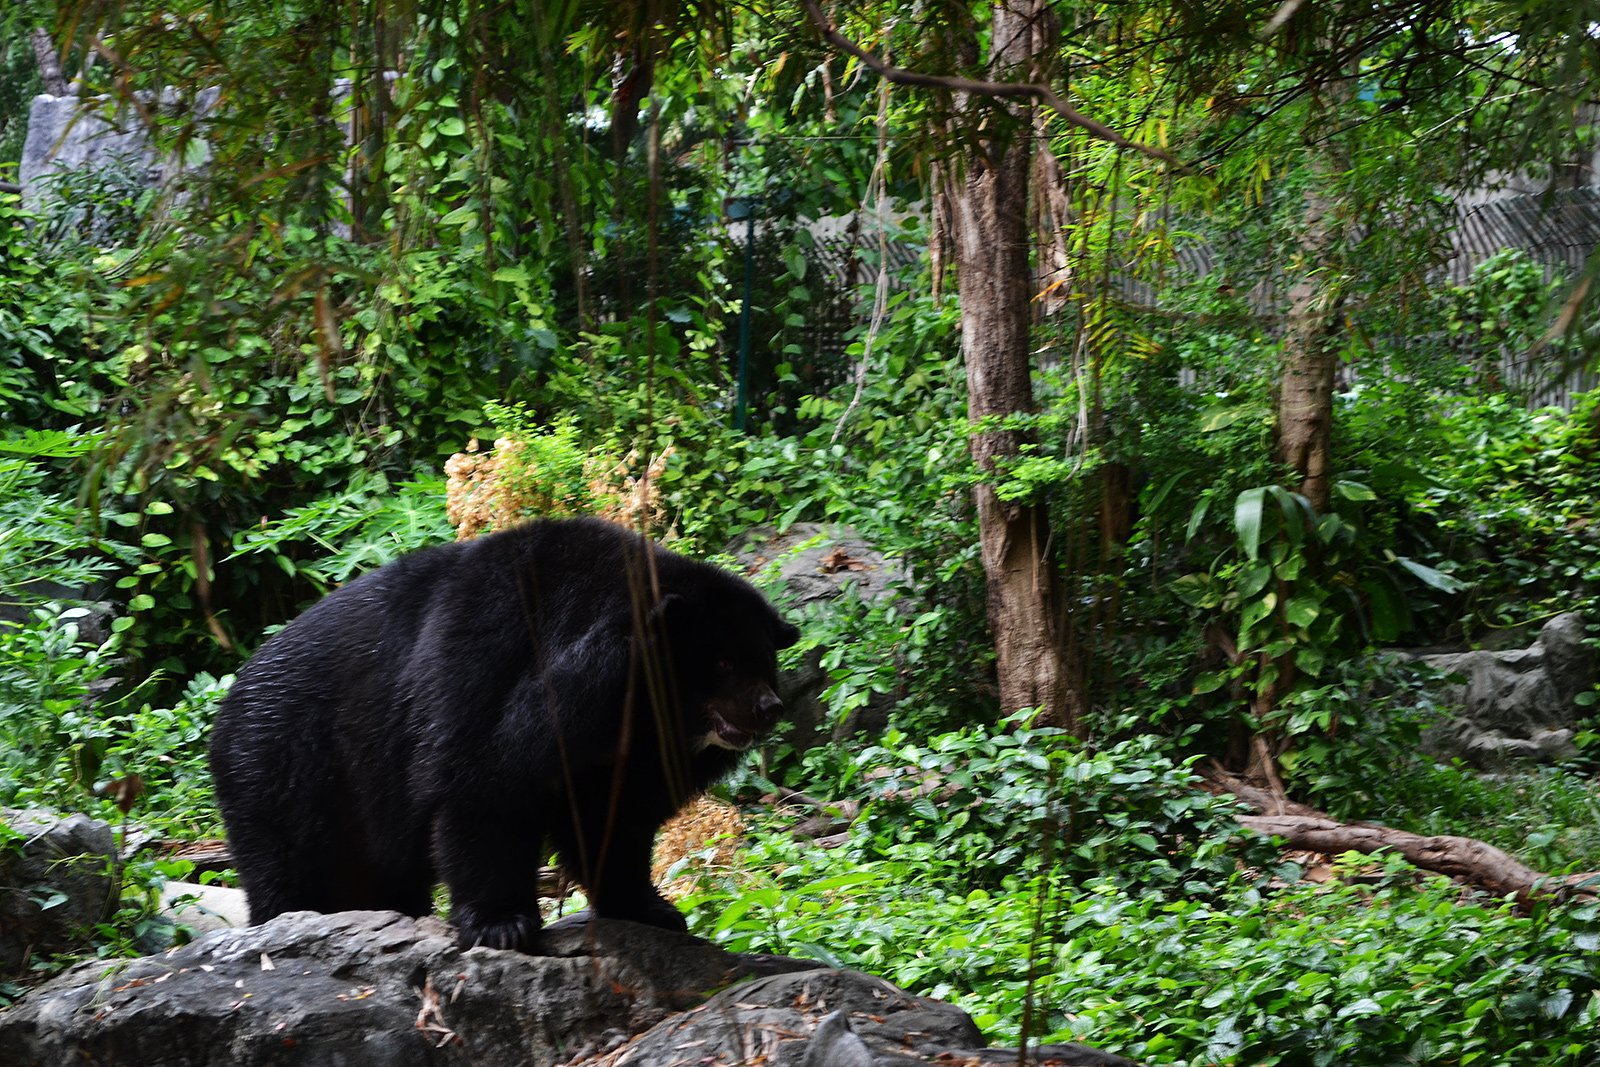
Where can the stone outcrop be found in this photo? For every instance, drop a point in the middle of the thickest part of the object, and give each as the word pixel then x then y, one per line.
pixel 820 567
pixel 56 880
pixel 378 989
pixel 1518 703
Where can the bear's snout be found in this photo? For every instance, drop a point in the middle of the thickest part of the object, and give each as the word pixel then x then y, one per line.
pixel 768 706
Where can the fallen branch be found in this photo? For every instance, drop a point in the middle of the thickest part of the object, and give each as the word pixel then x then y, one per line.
pixel 831 819
pixel 1463 858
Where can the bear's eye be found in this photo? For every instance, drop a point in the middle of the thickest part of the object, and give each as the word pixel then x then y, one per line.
pixel 724 666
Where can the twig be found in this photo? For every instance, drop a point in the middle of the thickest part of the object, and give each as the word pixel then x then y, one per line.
pixel 1030 90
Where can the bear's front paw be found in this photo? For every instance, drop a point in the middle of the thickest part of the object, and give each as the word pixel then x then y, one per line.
pixel 517 932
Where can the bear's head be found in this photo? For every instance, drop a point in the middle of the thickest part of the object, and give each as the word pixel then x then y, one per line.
pixel 725 665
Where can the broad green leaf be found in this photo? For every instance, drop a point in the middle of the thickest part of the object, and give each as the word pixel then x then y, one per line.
pixel 1253 578
pixel 1430 577
pixel 1296 509
pixel 1196 590
pixel 1247 517
pixel 1257 610
pixel 1301 611
pixel 1221 418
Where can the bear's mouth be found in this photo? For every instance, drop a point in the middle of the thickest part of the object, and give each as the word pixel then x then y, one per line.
pixel 724 734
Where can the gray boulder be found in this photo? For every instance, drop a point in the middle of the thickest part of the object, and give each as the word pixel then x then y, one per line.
pixel 367 988
pixel 378 989
pixel 821 568
pixel 57 879
pixel 1516 703
pixel 64 135
pixel 830 1018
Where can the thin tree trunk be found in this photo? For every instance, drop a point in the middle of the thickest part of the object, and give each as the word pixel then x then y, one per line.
pixel 44 53
pixel 1303 438
pixel 1305 392
pixel 989 216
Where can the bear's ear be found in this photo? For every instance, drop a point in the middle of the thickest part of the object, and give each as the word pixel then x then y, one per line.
pixel 785 634
pixel 669 611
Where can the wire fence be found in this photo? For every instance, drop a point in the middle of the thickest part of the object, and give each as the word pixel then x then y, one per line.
pixel 1558 230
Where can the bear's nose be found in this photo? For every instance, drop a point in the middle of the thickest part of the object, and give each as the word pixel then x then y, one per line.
pixel 768 706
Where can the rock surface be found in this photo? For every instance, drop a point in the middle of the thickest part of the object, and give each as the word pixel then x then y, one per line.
pixel 820 567
pixel 375 988
pixel 63 136
pixel 55 881
pixel 1518 703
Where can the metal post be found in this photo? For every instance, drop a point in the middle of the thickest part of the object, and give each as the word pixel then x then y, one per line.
pixel 742 404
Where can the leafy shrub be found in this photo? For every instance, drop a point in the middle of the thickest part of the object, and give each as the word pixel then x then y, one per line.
pixel 1164 957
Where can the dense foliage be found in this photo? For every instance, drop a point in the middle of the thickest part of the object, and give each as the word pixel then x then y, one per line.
pixel 524 240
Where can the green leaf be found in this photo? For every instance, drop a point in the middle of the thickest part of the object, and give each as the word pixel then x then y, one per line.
pixel 1347 490
pixel 794 260
pixel 1248 510
pixel 1196 517
pixel 1301 611
pixel 1220 418
pixel 1296 509
pixel 1430 577
pixel 1197 590
pixel 1310 660
pixel 1253 578
pixel 1153 501
pixel 1256 611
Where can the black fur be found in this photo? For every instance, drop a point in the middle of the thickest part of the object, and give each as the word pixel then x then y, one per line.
pixel 445 716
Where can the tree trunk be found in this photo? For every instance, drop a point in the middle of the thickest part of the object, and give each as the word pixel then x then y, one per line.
pixel 1310 350
pixel 44 53
pixel 1305 392
pixel 989 223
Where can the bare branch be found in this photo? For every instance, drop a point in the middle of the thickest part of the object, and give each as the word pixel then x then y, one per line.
pixel 1463 858
pixel 44 53
pixel 1459 857
pixel 1286 12
pixel 1026 90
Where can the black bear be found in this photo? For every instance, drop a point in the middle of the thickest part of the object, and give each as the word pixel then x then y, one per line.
pixel 565 683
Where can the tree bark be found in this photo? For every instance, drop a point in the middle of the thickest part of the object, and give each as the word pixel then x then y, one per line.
pixel 1310 351
pixel 1465 858
pixel 989 222
pixel 44 53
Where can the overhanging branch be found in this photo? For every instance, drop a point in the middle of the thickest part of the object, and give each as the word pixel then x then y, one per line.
pixel 954 83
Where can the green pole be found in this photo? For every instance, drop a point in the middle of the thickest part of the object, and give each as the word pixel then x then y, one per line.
pixel 742 404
